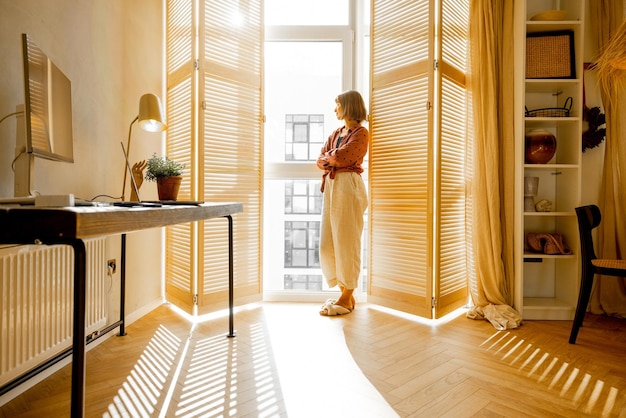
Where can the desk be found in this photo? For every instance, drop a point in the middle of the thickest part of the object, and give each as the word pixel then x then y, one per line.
pixel 71 225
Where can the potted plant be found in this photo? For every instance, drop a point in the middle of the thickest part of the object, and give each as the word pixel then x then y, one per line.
pixel 167 174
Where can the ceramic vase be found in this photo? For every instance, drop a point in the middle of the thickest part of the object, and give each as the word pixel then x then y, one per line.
pixel 531 185
pixel 540 146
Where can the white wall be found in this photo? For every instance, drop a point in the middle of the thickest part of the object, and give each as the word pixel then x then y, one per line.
pixel 112 52
pixel 593 159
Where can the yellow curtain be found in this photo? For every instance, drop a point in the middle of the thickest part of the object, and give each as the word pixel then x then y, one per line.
pixel 492 85
pixel 609 28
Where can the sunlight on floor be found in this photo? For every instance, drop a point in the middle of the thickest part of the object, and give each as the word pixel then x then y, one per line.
pixel 139 394
pixel 206 375
pixel 301 368
pixel 576 385
pixel 199 319
pixel 317 372
pixel 417 319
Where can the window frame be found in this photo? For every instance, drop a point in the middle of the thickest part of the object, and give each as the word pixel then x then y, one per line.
pixel 350 36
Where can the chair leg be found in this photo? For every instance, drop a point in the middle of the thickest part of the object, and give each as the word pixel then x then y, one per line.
pixel 586 285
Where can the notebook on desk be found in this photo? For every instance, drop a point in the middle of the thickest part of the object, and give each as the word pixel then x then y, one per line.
pixel 149 203
pixel 176 202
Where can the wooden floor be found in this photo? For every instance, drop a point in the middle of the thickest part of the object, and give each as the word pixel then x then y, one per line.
pixel 287 361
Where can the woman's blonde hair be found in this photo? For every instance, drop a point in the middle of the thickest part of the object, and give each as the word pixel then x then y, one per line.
pixel 352 105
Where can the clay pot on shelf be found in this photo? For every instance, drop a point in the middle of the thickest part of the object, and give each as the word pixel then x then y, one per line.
pixel 540 146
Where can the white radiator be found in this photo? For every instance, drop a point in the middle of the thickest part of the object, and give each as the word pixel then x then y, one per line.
pixel 36 302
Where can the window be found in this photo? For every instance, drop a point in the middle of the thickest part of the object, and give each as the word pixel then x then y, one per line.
pixel 310 54
pixel 313 50
pixel 307 12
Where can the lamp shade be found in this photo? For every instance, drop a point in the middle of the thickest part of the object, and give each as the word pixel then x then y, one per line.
pixel 151 114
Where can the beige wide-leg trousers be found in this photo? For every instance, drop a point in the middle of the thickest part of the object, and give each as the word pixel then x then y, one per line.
pixel 345 201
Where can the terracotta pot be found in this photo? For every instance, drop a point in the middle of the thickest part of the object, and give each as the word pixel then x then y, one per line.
pixel 167 187
pixel 540 146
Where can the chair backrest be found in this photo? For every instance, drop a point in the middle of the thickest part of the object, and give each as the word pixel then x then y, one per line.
pixel 589 217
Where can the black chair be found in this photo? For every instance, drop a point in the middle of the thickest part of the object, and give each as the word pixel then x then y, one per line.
pixel 589 218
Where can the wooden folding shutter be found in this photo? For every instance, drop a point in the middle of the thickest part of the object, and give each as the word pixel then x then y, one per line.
pixel 451 260
pixel 417 159
pixel 180 265
pixel 400 156
pixel 217 115
pixel 230 145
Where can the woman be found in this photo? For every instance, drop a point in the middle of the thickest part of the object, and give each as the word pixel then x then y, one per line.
pixel 345 201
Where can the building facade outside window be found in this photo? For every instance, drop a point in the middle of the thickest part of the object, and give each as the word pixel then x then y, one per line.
pixel 304 137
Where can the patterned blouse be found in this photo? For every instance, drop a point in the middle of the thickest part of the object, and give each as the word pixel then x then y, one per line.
pixel 343 153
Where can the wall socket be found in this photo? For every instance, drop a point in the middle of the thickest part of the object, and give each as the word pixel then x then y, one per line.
pixel 112 265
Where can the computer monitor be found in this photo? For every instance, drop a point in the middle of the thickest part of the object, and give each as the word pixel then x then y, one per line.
pixel 47 105
pixel 44 120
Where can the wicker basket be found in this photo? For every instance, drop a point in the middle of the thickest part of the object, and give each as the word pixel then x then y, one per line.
pixel 552 112
pixel 550 55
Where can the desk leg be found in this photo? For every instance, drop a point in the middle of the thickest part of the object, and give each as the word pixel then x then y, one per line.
pixel 122 285
pixel 231 280
pixel 78 344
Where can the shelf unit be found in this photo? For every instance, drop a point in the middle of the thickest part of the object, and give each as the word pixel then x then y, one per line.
pixel 546 286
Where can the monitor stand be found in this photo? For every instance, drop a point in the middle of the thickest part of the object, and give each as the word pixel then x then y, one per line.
pixel 24 161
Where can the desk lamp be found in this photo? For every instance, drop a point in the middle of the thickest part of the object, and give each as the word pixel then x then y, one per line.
pixel 150 119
